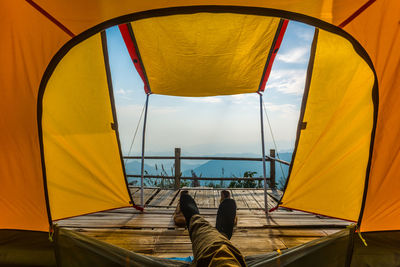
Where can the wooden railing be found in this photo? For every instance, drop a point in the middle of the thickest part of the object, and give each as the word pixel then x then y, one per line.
pixel 178 174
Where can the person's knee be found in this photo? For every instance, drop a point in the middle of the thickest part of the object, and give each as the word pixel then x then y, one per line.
pixel 221 255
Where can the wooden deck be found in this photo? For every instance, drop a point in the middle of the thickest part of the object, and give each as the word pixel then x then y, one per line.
pixel 153 232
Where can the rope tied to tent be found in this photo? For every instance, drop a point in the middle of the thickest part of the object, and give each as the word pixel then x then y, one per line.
pixel 273 139
pixel 361 237
pixel 358 231
pixel 136 130
pixel 51 232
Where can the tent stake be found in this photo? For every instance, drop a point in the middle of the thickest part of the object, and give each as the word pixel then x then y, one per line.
pixel 263 155
pixel 143 143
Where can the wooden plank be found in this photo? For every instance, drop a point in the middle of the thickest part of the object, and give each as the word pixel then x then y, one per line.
pixel 277 194
pixel 176 200
pixel 209 198
pixel 251 201
pixel 259 197
pixel 203 198
pixel 243 195
pixel 172 196
pixel 163 198
pixel 173 243
pixel 245 200
pixel 151 221
pixel 217 198
pixel 199 197
pixel 147 193
pixel 240 202
pixel 256 242
pixel 153 231
pixel 156 219
pixel 133 189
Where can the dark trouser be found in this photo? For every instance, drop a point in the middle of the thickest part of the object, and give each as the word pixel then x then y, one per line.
pixel 210 247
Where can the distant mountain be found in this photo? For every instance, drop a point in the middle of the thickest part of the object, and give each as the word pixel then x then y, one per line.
pixel 135 167
pixel 228 168
pixel 214 168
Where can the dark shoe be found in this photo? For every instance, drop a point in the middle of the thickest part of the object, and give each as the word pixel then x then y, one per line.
pixel 179 219
pixel 225 194
pixel 226 217
pixel 188 207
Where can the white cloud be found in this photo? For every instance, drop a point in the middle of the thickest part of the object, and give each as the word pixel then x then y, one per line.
pixel 287 81
pixel 305 35
pixel 244 99
pixel 121 91
pixel 129 109
pixel 164 110
pixel 123 95
pixel 296 55
pixel 129 114
pixel 281 108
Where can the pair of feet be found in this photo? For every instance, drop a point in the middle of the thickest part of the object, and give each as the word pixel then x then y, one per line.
pixel 226 216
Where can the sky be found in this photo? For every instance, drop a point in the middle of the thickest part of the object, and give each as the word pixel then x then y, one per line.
pixel 218 125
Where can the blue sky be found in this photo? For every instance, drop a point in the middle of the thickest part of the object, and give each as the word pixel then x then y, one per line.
pixel 212 125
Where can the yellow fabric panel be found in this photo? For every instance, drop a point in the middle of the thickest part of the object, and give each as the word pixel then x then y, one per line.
pixel 83 166
pixel 330 164
pixel 377 28
pixel 80 15
pixel 27 44
pixel 205 54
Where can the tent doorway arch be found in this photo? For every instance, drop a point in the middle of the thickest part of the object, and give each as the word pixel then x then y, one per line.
pixel 90 40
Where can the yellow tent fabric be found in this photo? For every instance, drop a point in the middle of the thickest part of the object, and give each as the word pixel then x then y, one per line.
pixel 377 29
pixel 32 37
pixel 79 16
pixel 205 54
pixel 24 54
pixel 84 171
pixel 330 163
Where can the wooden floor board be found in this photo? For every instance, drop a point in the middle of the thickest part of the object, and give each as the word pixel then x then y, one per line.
pixel 153 232
pixel 147 194
pixel 240 201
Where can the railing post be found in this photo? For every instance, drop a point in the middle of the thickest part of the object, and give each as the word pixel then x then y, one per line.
pixel 177 168
pixel 272 169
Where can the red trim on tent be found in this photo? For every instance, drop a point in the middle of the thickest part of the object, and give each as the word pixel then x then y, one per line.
pixel 123 28
pixel 356 14
pixel 273 55
pixel 51 18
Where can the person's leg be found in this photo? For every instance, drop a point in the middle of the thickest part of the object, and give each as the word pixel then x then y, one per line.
pixel 210 247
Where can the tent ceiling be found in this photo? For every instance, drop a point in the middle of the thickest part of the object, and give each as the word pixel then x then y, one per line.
pixel 205 54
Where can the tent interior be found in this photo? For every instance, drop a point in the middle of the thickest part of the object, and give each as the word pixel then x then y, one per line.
pixel 70 248
pixel 64 108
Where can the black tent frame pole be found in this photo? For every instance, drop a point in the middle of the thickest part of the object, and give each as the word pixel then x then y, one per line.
pixel 143 146
pixel 263 154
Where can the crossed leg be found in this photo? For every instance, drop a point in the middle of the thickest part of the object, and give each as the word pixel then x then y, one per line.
pixel 211 246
